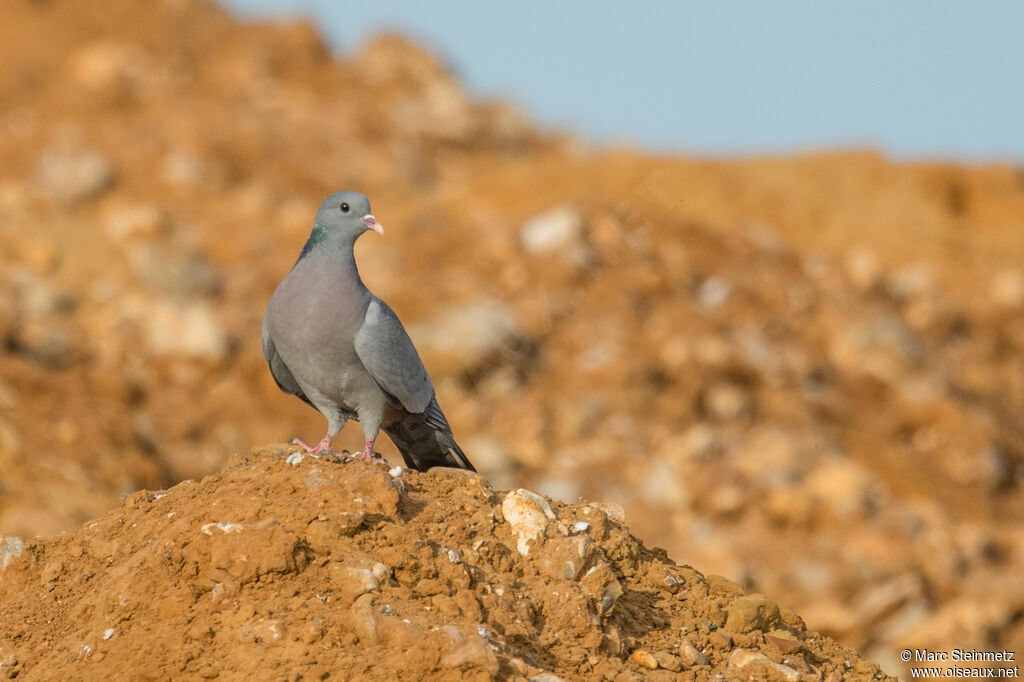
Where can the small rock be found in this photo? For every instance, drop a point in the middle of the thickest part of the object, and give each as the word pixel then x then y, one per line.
pixel 261 631
pixel 784 643
pixel 528 514
pixel 343 519
pixel 601 586
pixel 312 633
pixel 556 230
pixel 612 640
pixel 264 548
pixel 378 490
pixel 724 637
pixel 565 557
pixel 374 627
pixel 754 612
pixel 713 292
pixel 667 661
pixel 353 582
pixel 613 511
pixel 51 571
pixel 753 663
pixel 546 676
pixel 644 659
pixel 295 458
pixel 467 650
pixel 691 655
pixel 10 550
pixel 72 175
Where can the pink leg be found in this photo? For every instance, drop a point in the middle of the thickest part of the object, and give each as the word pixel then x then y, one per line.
pixel 368 453
pixel 323 447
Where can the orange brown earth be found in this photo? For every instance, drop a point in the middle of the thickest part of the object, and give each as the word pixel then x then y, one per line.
pixel 803 373
pixel 309 570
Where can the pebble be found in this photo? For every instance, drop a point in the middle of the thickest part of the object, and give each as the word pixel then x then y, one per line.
pixel 556 230
pixel 74 175
pixel 601 586
pixel 690 654
pixel 468 650
pixel 754 612
pixel 713 292
pixel 528 515
pixel 644 659
pixel 10 550
pixel 756 663
pixel 667 661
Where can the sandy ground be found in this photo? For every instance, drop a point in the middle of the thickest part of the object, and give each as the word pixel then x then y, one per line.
pixel 307 569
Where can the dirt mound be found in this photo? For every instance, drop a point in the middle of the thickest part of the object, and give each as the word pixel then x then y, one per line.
pixel 286 569
pixel 800 373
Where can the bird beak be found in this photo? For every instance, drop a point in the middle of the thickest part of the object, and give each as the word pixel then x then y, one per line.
pixel 372 223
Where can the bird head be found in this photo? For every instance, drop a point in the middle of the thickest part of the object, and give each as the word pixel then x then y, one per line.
pixel 347 213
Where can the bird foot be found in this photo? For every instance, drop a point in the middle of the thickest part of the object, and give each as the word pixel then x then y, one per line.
pixel 323 448
pixel 367 455
pixel 363 457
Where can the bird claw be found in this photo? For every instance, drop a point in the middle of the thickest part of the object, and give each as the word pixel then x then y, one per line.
pixel 321 449
pixel 363 457
pixel 336 457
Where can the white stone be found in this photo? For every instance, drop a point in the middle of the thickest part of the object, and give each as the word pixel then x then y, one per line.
pixel 528 514
pixel 557 229
pixel 72 175
pixel 12 548
pixel 713 292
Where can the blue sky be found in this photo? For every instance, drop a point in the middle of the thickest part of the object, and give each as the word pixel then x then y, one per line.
pixel 915 78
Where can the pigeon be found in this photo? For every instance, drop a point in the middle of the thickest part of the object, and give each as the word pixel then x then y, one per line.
pixel 336 346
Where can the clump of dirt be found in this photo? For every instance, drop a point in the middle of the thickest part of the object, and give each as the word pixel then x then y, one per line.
pixel 282 567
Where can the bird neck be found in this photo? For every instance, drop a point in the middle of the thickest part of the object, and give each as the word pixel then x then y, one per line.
pixel 316 238
pixel 336 248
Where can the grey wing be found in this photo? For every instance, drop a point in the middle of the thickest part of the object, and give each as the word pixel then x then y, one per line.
pixel 386 351
pixel 282 375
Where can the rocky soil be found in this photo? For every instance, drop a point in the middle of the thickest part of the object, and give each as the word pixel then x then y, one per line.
pixel 302 569
pixel 802 373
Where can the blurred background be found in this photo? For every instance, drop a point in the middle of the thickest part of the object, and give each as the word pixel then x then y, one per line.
pixel 799 370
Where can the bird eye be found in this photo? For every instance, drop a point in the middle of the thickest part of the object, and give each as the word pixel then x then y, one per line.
pixel 344 207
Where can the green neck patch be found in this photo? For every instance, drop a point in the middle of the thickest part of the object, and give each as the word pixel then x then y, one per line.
pixel 318 234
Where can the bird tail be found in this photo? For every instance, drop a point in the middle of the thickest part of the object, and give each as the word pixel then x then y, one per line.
pixel 425 440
